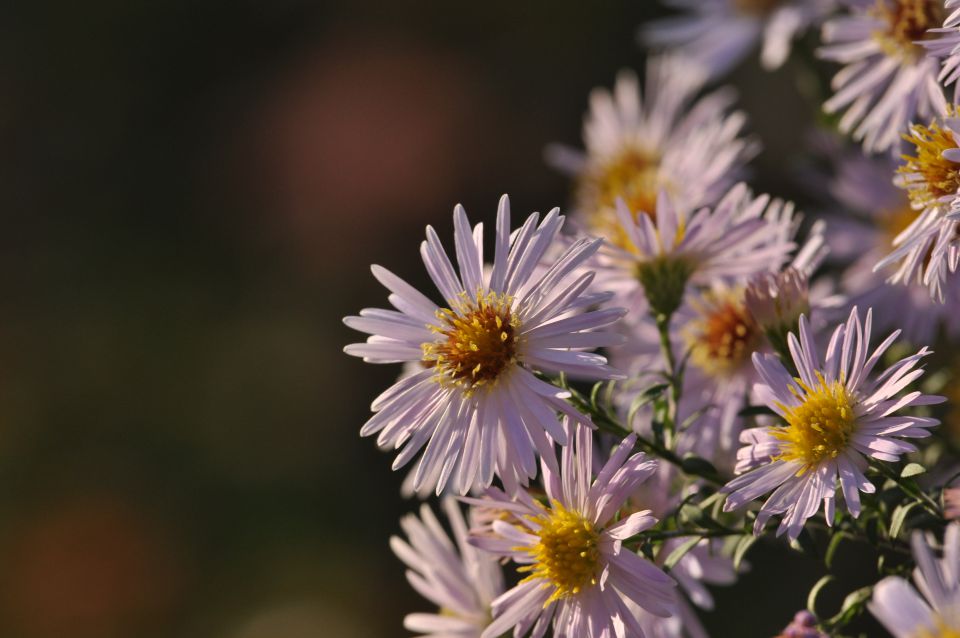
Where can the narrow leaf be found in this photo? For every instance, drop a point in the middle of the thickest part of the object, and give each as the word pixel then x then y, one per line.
pixel 835 541
pixel 680 552
pixel 743 546
pixel 899 517
pixel 912 469
pixel 817 588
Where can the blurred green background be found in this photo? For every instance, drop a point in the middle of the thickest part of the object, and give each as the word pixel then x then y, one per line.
pixel 192 193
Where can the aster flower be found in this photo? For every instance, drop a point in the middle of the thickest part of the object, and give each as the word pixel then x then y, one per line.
pixel 775 301
pixel 458 578
pixel 717 329
pixel 935 611
pixel 578 575
pixel 720 33
pixel 881 212
pixel 888 79
pixel 836 416
pixel 666 251
pixel 662 139
pixel 944 44
pixel 927 249
pixel 476 404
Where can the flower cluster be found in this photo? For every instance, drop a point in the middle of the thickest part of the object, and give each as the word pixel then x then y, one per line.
pixel 614 407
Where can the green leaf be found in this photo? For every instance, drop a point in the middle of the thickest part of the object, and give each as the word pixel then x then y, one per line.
pixel 594 393
pixel 644 398
pixel 835 542
pixel 680 552
pixel 912 469
pixel 817 588
pixel 852 606
pixel 692 464
pixel 690 513
pixel 743 546
pixel 899 517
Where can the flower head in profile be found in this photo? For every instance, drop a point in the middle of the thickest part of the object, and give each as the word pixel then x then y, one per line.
pixel 837 417
pixel 881 212
pixel 776 300
pixel 663 139
pixel 928 250
pixel 667 249
pixel 888 78
pixel 458 578
pixel 476 405
pixel 720 33
pixel 943 43
pixel 935 610
pixel 578 576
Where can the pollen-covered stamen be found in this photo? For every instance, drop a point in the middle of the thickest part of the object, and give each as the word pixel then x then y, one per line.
pixel 907 23
pixel 478 341
pixel 567 555
pixel 724 336
pixel 928 175
pixel 821 426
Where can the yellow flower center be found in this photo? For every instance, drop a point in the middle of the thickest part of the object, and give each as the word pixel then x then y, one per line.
pixel 479 341
pixel 907 22
pixel 566 556
pixel 724 336
pixel 939 176
pixel 633 175
pixel 942 631
pixel 820 427
pixel 756 7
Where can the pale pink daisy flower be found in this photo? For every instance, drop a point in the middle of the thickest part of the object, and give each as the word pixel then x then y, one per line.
pixel 928 250
pixel 944 44
pixel 837 418
pixel 459 579
pixel 720 33
pixel 579 576
pixel 775 301
pixel 716 327
pixel 665 138
pixel 888 79
pixel 935 610
pixel 862 185
pixel 476 405
pixel 667 250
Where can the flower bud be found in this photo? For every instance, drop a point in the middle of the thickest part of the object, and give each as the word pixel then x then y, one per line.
pixel 804 625
pixel 776 301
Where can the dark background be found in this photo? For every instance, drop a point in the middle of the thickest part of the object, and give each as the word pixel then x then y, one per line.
pixel 191 194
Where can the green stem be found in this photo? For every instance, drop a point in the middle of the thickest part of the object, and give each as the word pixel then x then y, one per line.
pixel 673 398
pixel 683 533
pixel 607 424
